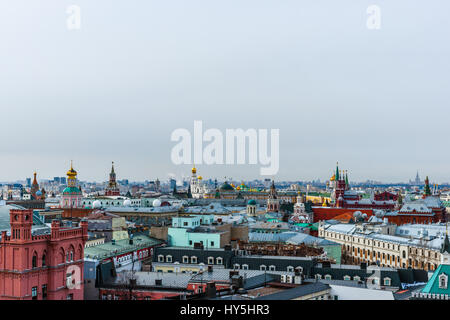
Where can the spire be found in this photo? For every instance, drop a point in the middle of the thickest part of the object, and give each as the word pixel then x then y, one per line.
pixel 446 244
pixel 427 191
pixel 337 171
pixel 346 179
pixel 112 167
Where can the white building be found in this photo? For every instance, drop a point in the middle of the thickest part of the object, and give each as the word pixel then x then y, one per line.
pixel 416 246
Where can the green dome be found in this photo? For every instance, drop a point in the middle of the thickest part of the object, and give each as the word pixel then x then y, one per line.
pixel 226 187
pixel 71 190
pixel 251 202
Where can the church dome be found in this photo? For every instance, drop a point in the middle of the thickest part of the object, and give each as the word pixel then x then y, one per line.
pixel 226 187
pixel 156 203
pixel 127 203
pixel 194 170
pixel 71 190
pixel 252 202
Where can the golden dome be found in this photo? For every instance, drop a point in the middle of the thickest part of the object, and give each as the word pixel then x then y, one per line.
pixel 333 177
pixel 200 177
pixel 71 173
pixel 194 170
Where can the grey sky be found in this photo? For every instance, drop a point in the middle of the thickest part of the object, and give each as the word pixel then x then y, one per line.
pixel 376 100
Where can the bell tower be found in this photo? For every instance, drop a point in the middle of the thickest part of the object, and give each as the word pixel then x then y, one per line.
pixel 21 222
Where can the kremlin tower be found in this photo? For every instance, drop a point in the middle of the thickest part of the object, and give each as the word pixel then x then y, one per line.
pixel 112 189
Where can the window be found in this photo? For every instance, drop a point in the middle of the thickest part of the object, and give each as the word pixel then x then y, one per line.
pixel 236 266
pixel 185 259
pixel 318 276
pixel 210 260
pixel 443 281
pixel 44 292
pixel 347 278
pixel 263 268
pixel 327 277
pixel 387 281
pixel 34 293
pixel 290 269
pixel 168 258
pixel 272 268
pixel 356 278
pixel 160 258
pixel 34 261
pixel 193 259
pixel 43 260
pixel 245 267
pixel 219 260
pixel 212 243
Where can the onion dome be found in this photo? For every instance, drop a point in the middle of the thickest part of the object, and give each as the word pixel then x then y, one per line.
pixel 200 178
pixel 251 202
pixel 194 171
pixel 157 203
pixel 71 173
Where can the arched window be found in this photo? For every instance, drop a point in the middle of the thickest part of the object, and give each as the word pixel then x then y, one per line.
pixel 219 260
pixel 34 260
pixel 327 277
pixel 193 259
pixel 263 268
pixel 44 257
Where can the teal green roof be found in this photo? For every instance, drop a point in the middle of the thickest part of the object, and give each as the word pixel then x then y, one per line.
pixel 251 202
pixel 432 285
pixel 312 226
pixel 71 190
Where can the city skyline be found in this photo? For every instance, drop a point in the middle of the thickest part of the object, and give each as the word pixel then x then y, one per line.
pixel 186 176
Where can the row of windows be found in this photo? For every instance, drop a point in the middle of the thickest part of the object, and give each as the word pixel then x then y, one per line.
pixel 386 281
pixel 192 259
pixel 34 260
pixel 263 267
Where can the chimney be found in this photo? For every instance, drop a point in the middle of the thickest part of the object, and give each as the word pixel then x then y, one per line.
pixel 363 265
pixel 210 268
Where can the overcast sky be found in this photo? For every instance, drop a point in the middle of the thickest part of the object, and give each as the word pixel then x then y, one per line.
pixel 377 101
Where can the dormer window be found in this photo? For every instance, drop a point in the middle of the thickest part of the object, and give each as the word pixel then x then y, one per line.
pixel 443 281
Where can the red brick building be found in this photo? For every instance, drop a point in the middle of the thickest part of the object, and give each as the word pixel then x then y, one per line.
pixel 41 265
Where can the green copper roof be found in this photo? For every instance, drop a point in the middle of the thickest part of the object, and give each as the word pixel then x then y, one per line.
pixel 71 190
pixel 432 285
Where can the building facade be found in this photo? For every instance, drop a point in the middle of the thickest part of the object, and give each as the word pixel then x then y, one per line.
pixel 44 266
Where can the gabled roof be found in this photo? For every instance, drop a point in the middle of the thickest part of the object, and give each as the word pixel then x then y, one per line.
pixel 432 285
